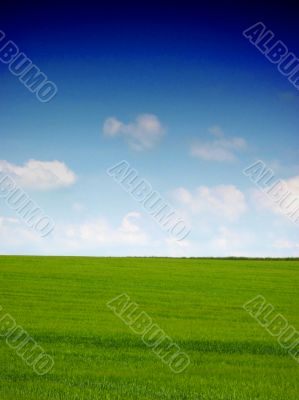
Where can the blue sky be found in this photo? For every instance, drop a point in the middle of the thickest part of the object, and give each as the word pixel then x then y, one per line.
pixel 191 103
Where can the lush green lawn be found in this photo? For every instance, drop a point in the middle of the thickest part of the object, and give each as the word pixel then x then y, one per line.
pixel 61 302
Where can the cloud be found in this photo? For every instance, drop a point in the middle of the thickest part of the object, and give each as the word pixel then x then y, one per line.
pixel 130 237
pixel 14 234
pixel 221 149
pixel 288 196
pixel 224 201
pixel 142 134
pixel 40 175
pixel 95 236
pixel 293 185
pixel 100 232
pixel 229 242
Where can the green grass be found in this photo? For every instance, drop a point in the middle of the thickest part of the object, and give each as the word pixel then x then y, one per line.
pixel 61 302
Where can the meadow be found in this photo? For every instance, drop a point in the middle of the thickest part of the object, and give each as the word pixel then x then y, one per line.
pixel 61 302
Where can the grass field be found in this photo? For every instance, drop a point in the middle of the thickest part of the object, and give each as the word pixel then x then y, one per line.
pixel 61 302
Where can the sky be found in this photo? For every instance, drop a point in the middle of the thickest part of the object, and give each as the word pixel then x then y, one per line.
pixel 180 95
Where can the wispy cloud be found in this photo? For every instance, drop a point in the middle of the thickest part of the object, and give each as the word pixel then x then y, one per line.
pixel 142 134
pixel 76 238
pixel 225 201
pixel 287 202
pixel 39 175
pixel 101 232
pixel 221 149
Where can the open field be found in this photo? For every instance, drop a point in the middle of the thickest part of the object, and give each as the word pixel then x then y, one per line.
pixel 61 302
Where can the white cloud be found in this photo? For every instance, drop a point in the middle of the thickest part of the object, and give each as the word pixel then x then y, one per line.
pixel 289 196
pixel 14 235
pixel 293 185
pixel 100 232
pixel 131 237
pixel 39 175
pixel 223 201
pixel 98 236
pixel 221 149
pixel 230 242
pixel 142 134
